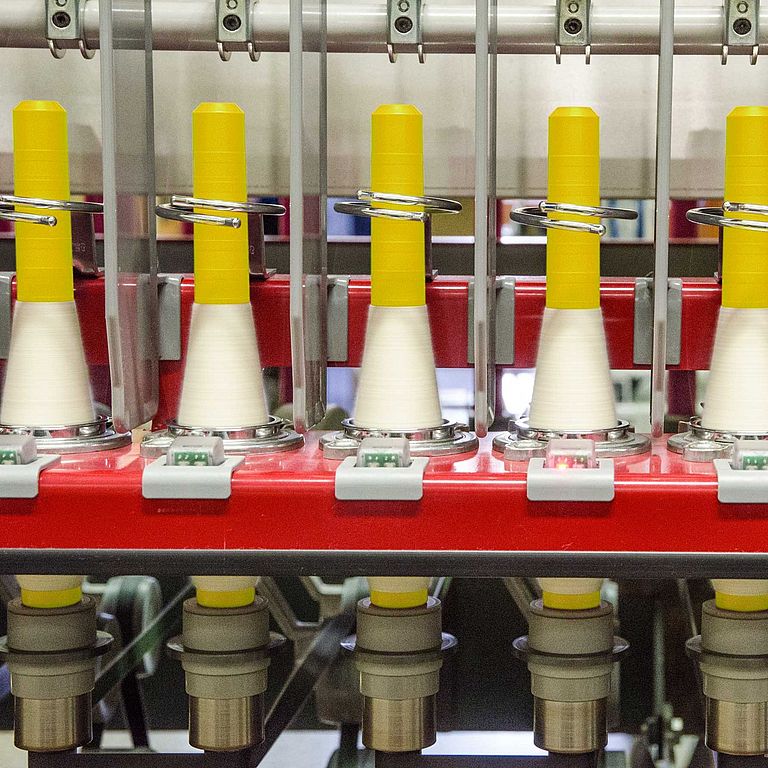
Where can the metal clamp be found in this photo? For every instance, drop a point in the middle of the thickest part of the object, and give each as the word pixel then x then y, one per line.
pixel 182 207
pixel 716 216
pixel 573 27
pixel 98 435
pixel 83 238
pixel 523 442
pixel 233 28
pixel 273 437
pixel 446 440
pixel 741 28
pixel 404 28
pixel 537 216
pixel 64 27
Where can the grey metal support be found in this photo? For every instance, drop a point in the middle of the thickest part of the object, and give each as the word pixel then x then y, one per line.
pixel 130 250
pixel 308 191
pixel 485 214
pixel 661 267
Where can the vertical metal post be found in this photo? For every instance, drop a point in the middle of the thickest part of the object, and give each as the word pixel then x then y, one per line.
pixel 130 249
pixel 485 214
pixel 308 192
pixel 661 267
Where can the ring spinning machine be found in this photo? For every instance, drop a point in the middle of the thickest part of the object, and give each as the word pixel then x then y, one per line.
pixel 138 433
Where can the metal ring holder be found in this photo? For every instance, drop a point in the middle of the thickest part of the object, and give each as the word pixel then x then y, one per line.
pixel 537 216
pixel 430 206
pixel 83 239
pixel 523 441
pixel 98 435
pixel 182 208
pixel 694 441
pixel 65 28
pixel 275 436
pixel 448 439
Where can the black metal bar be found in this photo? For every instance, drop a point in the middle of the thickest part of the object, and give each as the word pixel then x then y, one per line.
pixel 417 760
pixel 740 761
pixel 302 681
pixel 165 624
pixel 106 759
pixel 638 565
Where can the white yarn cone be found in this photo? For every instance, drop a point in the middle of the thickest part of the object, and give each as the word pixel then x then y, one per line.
pixel 571 586
pixel 224 583
pixel 46 379
pixel 737 391
pixel 398 385
pixel 741 586
pixel 40 583
pixel 398 584
pixel 572 389
pixel 223 384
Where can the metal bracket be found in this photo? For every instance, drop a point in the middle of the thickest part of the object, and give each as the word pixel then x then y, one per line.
pixel 205 474
pixel 20 466
pixel 741 29
pixel 84 244
pixel 552 484
pixel 6 312
pixel 233 28
pixel 64 27
pixel 505 321
pixel 257 248
pixel 642 350
pixel 404 28
pixel 573 27
pixel 169 315
pixel 740 486
pixel 338 318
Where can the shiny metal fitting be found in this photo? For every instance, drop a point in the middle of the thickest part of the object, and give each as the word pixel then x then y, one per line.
pixel 407 725
pixel 570 727
pixel 448 439
pixel 737 728
pixel 523 442
pixel 226 725
pixel 52 725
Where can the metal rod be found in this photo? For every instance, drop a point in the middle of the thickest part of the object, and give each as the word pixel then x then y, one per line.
pixel 469 563
pixel 190 25
pixel 417 760
pixel 661 267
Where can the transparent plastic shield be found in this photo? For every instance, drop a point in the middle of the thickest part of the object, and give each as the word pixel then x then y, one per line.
pixel 485 215
pixel 308 190
pixel 130 254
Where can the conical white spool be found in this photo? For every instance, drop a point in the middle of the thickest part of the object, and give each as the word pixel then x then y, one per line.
pixel 571 586
pixel 223 383
pixel 398 384
pixel 737 391
pixel 46 379
pixel 572 389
